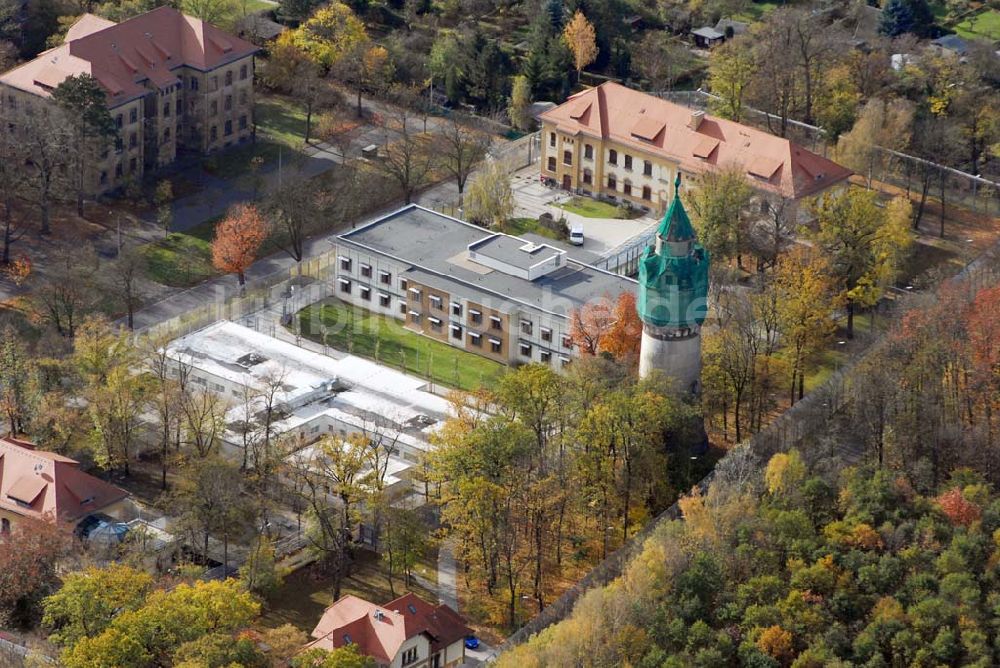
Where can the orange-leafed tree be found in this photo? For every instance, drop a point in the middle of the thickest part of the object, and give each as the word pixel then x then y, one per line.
pixel 608 326
pixel 625 334
pixel 589 324
pixel 959 510
pixel 238 239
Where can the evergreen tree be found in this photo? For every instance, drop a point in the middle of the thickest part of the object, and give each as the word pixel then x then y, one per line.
pixel 903 16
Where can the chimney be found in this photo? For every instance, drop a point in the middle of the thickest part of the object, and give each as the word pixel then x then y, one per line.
pixel 696 118
pixel 379 615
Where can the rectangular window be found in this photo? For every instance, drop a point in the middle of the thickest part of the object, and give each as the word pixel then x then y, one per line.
pixel 436 302
pixel 456 308
pixel 409 656
pixel 612 182
pixel 613 157
pixel 552 139
pixel 118 121
pixel 563 361
pixel 456 332
pixel 495 345
pixel 243 72
pixel 166 109
pixel 551 164
pixel 647 168
pixel 526 327
pixel 215 84
pixel 133 140
pixel 435 324
pixel 243 122
pixel 228 103
pixel 385 278
pixel 402 284
pixel 588 151
pixel 647 193
pixel 366 270
pixel 545 356
pixel 475 339
pixel 133 116
pixel 229 128
pixel 414 317
pixel 366 293
pixel 383 300
pixel 496 322
pixel 546 333
pixel 229 78
pixel 345 263
pixel 345 286
pixel 213 107
pixel 567 341
pixel 525 349
pixel 567 157
pixel 402 308
pixel 627 188
pixel 588 177
pixel 194 84
pixel 628 161
pixel 415 292
pixel 475 316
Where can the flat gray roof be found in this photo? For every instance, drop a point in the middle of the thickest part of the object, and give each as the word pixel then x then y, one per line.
pixel 515 251
pixel 436 247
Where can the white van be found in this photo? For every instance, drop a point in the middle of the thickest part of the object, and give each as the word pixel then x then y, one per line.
pixel 576 234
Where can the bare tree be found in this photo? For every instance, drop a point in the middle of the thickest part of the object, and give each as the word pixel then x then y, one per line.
pixel 203 414
pixel 122 279
pixel 408 155
pixel 461 146
pixel 44 143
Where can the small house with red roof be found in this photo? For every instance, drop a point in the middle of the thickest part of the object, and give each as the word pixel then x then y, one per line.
pixel 407 631
pixel 622 144
pixel 40 485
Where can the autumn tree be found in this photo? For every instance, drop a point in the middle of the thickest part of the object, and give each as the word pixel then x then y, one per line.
pixel 881 123
pixel 89 600
pixel 330 34
pixel 19 382
pixel 347 656
pixel 864 243
pixel 238 238
pixel 719 210
pixel 582 41
pixel 29 557
pixel 590 324
pixel 731 70
pixel 520 103
pixel 152 633
pixel 209 499
pixel 490 200
pixel 805 308
pixel 408 155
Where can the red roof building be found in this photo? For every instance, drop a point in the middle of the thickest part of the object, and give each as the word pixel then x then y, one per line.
pixel 173 83
pixel 39 484
pixel 618 142
pixel 407 631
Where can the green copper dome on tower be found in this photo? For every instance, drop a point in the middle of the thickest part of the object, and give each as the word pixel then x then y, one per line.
pixel 673 272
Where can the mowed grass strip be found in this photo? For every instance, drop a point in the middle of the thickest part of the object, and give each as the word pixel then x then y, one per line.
pixel 371 335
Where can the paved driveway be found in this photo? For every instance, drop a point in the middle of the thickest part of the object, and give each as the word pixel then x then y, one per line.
pixel 601 235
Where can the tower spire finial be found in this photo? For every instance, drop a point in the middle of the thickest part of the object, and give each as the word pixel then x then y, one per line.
pixel 677 185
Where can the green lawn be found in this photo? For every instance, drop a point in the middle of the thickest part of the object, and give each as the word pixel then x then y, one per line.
pixel 180 260
pixel 517 226
pixel 985 25
pixel 254 6
pixel 592 208
pixel 755 11
pixel 371 335
pixel 281 127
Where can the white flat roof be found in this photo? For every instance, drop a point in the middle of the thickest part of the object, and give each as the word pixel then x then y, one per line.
pixel 372 388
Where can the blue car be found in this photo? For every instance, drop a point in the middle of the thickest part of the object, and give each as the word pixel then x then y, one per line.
pixel 471 642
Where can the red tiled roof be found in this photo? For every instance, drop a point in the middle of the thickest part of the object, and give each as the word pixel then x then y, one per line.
pixel 36 483
pixel 123 56
pixel 380 631
pixel 649 124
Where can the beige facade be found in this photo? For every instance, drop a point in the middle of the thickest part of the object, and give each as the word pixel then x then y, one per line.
pixel 605 167
pixel 204 112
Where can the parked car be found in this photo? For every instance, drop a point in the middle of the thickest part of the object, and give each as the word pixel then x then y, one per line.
pixel 471 642
pixel 576 234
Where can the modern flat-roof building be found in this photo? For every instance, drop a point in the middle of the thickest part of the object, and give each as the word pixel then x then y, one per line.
pixel 317 395
pixel 503 297
pixel 173 83
pixel 630 146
